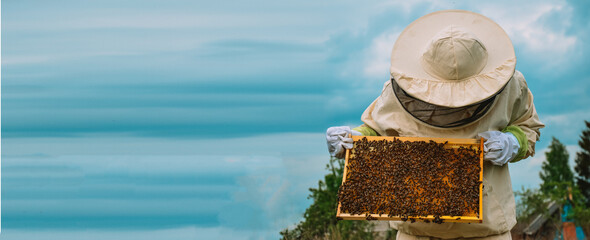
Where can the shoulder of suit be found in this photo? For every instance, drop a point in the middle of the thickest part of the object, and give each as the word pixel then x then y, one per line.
pixel 519 79
pixel 387 83
pixel 517 83
pixel 386 86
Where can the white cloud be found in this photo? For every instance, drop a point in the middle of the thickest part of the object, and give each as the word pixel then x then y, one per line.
pixel 378 55
pixel 526 172
pixel 171 233
pixel 566 119
pixel 338 102
pixel 271 144
pixel 407 7
pixel 526 30
pixel 268 174
pixel 13 60
pixel 537 160
pixel 151 20
pixel 565 126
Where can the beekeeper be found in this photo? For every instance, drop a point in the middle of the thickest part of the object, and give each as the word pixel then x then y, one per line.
pixel 453 75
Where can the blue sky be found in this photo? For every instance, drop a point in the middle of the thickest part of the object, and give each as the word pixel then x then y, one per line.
pixel 150 119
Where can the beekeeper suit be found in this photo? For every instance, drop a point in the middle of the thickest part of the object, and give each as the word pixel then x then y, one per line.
pixel 453 75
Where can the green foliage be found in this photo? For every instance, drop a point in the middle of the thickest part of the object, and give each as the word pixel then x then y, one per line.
pixel 582 167
pixel 557 186
pixel 320 217
pixel 530 203
pixel 581 216
pixel 580 213
pixel 555 169
pixel 533 202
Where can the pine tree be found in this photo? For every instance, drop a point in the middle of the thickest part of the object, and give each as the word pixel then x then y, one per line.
pixel 582 167
pixel 556 172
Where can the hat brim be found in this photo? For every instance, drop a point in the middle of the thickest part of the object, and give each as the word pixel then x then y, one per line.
pixel 406 67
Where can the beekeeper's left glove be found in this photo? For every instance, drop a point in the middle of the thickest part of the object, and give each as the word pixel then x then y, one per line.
pixel 499 147
pixel 338 139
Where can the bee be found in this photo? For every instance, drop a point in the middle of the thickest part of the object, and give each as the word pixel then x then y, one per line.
pixel 410 179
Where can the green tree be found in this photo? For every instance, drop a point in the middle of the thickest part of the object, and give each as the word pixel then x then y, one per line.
pixel 320 217
pixel 556 172
pixel 580 213
pixel 582 166
pixel 530 203
pixel 557 186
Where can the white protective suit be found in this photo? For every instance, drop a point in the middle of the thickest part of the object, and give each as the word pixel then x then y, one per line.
pixel 512 106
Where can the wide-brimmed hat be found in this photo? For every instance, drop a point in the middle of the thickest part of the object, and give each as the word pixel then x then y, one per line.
pixel 452 58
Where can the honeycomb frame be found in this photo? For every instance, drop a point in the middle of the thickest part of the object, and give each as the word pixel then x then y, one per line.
pixel 476 217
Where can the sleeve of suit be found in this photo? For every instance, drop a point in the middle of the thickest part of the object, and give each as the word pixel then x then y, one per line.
pixel 525 123
pixel 366 130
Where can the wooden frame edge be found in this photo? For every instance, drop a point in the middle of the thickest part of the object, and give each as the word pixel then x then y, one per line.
pixel 456 141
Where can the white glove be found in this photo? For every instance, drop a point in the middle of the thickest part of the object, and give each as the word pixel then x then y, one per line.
pixel 338 140
pixel 499 148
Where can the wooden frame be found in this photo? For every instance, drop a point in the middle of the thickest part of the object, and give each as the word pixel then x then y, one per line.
pixel 451 143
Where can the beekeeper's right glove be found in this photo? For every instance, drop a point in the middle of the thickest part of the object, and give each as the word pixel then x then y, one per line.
pixel 499 147
pixel 338 139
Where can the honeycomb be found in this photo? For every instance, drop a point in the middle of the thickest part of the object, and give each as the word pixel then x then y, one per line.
pixel 391 179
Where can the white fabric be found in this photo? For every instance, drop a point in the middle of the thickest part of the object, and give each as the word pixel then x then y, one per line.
pixel 480 41
pixel 338 139
pixel 503 236
pixel 513 106
pixel 499 148
pixel 454 54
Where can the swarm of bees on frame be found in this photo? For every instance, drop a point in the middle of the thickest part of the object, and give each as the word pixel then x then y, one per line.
pixel 410 180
